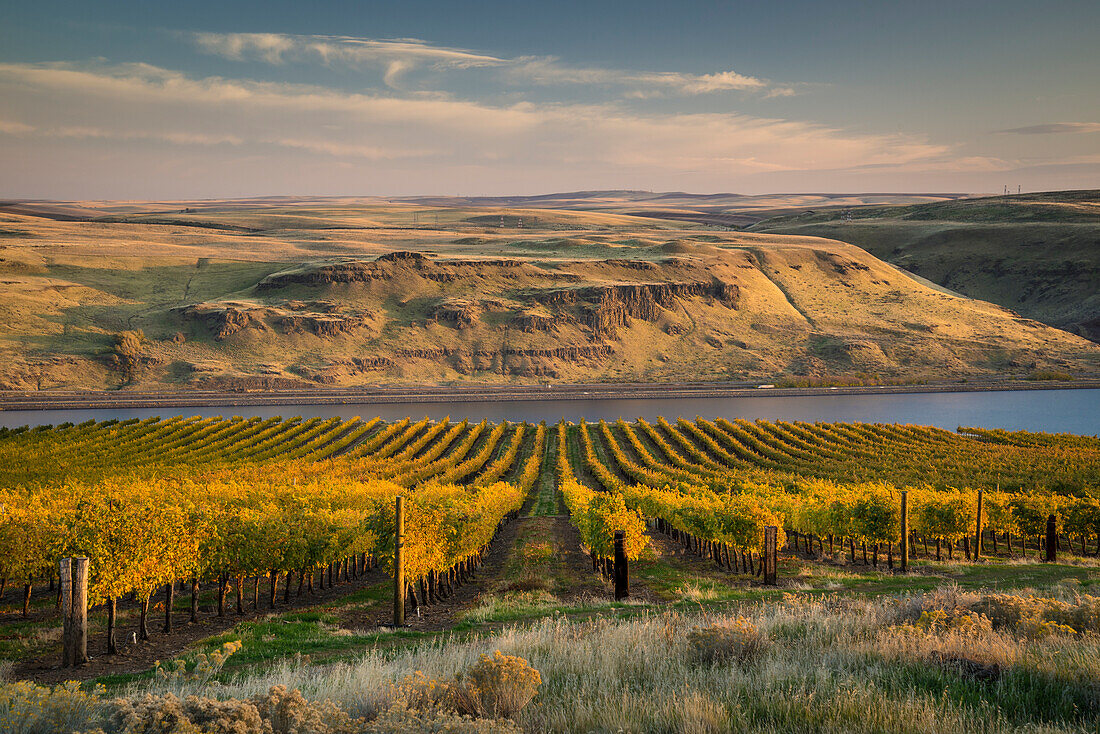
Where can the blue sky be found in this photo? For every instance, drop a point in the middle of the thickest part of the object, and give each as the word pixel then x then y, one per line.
pixel 114 100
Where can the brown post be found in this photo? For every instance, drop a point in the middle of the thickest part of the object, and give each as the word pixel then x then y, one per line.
pixel 978 530
pixel 770 534
pixel 904 550
pixel 65 567
pixel 74 610
pixel 398 563
pixel 1052 539
pixel 80 611
pixel 622 573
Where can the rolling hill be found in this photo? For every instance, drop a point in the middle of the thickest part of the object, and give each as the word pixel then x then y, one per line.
pixel 293 293
pixel 1037 254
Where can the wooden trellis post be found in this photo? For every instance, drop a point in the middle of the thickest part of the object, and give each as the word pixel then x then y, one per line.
pixel 1052 539
pixel 74 611
pixel 621 570
pixel 904 560
pixel 978 530
pixel 771 533
pixel 399 563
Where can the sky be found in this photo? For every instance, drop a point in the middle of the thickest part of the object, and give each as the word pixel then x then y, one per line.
pixel 158 100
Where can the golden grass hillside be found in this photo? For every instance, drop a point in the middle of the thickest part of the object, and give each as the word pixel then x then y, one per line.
pixel 360 292
pixel 1038 254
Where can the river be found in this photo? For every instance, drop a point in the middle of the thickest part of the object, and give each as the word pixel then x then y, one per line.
pixel 1069 411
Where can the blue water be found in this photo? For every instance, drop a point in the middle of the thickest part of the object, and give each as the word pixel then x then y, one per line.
pixel 1069 411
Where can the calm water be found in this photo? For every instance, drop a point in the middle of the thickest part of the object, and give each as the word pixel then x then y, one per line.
pixel 1071 411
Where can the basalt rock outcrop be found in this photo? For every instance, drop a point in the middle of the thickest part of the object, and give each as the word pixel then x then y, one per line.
pixel 456 312
pixel 224 320
pixel 320 325
pixel 388 266
pixel 607 307
pixel 530 321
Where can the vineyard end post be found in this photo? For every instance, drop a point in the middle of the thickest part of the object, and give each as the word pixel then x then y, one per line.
pixel 398 563
pixel 622 572
pixel 771 533
pixel 80 611
pixel 1052 539
pixel 66 574
pixel 978 530
pixel 904 549
pixel 74 611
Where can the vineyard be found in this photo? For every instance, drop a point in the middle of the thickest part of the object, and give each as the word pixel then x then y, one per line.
pixel 221 506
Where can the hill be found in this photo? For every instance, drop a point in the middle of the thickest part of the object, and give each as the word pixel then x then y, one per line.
pixel 292 293
pixel 1037 254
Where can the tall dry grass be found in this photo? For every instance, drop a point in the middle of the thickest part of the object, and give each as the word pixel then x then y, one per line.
pixel 832 664
pixel 948 661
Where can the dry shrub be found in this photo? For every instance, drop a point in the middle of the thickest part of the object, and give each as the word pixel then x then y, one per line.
pixel 958 621
pixel 1032 617
pixel 422 693
pixel 26 708
pixel 204 667
pixel 288 712
pixel 730 639
pixel 168 714
pixel 280 711
pixel 499 686
pixel 1037 617
pixel 400 720
pixel 945 598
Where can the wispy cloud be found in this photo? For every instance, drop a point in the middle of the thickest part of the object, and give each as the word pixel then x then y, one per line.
pixel 11 127
pixel 399 56
pixel 551 71
pixel 396 55
pixel 136 100
pixel 1054 128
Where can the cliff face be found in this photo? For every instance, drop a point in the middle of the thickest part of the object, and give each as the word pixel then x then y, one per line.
pixel 387 267
pixel 224 320
pixel 605 308
pixel 572 320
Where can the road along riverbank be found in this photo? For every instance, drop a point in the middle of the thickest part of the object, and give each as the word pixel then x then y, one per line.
pixel 90 400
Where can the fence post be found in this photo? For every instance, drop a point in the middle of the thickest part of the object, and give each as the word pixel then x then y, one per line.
pixel 74 611
pixel 399 563
pixel 621 571
pixel 80 611
pixel 978 530
pixel 66 574
pixel 1052 539
pixel 770 534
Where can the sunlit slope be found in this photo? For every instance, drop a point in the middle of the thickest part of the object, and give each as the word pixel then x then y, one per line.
pixel 1038 254
pixel 281 296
